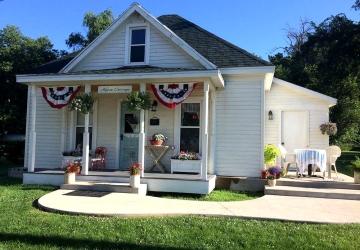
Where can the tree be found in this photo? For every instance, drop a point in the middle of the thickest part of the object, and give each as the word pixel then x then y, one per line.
pixel 356 5
pixel 19 54
pixel 95 25
pixel 328 61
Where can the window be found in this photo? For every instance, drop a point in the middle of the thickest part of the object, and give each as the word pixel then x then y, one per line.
pixel 190 127
pixel 137 45
pixel 80 122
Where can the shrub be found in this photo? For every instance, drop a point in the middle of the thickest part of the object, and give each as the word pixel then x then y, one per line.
pixel 356 164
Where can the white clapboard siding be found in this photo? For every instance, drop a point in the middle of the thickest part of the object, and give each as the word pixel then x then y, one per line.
pixel 281 98
pixel 111 52
pixel 48 134
pixel 238 128
pixel 107 126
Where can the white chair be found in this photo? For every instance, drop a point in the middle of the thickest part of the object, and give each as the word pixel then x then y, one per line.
pixel 332 153
pixel 288 159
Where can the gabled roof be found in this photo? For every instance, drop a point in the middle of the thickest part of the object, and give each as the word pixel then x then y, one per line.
pixel 136 8
pixel 217 50
pixel 330 100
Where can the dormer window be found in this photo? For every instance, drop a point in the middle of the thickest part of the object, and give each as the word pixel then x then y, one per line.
pixel 138 45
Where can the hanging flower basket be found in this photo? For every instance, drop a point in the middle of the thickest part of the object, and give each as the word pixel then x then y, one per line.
pixel 328 128
pixel 137 100
pixel 82 103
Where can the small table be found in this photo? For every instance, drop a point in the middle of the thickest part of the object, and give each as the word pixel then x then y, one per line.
pixel 157 153
pixel 315 157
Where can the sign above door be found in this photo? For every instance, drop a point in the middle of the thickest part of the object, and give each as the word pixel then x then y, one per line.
pixel 115 89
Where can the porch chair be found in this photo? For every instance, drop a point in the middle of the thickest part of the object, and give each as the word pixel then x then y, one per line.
pixel 98 162
pixel 332 153
pixel 288 159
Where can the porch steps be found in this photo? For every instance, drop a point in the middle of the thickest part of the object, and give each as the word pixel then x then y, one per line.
pixel 317 184
pixel 331 193
pixel 98 186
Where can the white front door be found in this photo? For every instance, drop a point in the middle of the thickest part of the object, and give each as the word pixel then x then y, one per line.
pixel 295 130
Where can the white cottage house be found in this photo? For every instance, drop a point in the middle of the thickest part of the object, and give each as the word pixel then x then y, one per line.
pixel 229 106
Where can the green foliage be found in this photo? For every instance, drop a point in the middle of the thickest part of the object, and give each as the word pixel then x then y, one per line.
pixel 356 164
pixel 271 152
pixel 82 103
pixel 19 54
pixel 95 25
pixel 138 100
pixel 328 61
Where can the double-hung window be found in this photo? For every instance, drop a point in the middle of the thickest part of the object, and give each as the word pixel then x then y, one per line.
pixel 137 50
pixel 190 127
pixel 80 125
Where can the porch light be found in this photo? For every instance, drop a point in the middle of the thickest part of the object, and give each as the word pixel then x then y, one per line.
pixel 154 106
pixel 270 114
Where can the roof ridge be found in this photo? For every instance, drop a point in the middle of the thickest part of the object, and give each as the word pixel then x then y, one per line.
pixel 220 39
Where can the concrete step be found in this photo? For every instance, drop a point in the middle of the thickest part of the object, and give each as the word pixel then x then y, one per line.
pixel 317 184
pixel 331 193
pixel 116 187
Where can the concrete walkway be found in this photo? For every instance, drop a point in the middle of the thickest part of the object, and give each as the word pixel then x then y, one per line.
pixel 267 207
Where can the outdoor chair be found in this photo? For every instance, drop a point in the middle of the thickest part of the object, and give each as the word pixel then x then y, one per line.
pixel 288 159
pixel 332 154
pixel 98 162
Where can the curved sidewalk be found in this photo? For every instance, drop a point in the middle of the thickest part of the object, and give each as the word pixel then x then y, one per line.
pixel 287 208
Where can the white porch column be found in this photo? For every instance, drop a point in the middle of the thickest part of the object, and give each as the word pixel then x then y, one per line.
pixel 32 138
pixel 85 157
pixel 212 133
pixel 205 136
pixel 141 156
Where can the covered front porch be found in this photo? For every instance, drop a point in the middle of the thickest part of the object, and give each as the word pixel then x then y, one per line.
pixel 108 126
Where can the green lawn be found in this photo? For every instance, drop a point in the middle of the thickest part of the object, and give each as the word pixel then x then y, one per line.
pixel 24 226
pixel 216 195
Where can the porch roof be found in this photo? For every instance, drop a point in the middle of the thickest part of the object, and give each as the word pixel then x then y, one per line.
pixel 142 73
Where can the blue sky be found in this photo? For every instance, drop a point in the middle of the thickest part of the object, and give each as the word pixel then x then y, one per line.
pixel 255 25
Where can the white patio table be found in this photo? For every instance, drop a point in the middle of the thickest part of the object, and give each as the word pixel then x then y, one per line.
pixel 316 157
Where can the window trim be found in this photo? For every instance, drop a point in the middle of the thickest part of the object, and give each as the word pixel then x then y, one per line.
pixel 178 126
pixel 129 28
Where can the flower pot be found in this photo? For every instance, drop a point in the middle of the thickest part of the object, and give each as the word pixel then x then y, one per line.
pixel 156 142
pixel 69 178
pixel 135 181
pixel 356 177
pixel 272 183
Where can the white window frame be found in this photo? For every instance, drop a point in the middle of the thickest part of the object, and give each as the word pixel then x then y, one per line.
pixel 178 126
pixel 129 29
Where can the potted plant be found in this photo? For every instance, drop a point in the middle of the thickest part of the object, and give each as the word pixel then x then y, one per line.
pixel 271 152
pixel 356 166
pixel 187 162
pixel 138 100
pixel 275 171
pixel 328 128
pixel 158 139
pixel 135 171
pixel 82 103
pixel 271 180
pixel 71 170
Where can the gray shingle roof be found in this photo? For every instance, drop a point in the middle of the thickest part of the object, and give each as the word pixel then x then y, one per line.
pixel 215 49
pixel 218 51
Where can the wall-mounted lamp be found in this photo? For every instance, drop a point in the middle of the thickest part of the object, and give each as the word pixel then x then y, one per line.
pixel 270 115
pixel 154 106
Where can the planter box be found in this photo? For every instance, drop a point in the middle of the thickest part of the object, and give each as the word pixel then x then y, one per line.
pixel 186 166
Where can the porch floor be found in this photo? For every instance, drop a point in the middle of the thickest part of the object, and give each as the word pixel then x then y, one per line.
pixel 118 173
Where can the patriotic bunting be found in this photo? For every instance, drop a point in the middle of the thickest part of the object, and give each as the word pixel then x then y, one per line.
pixel 172 94
pixel 59 97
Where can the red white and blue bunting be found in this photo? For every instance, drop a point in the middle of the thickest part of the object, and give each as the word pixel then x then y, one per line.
pixel 172 94
pixel 59 97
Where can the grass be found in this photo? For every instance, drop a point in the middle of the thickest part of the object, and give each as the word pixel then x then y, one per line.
pixel 216 195
pixel 23 226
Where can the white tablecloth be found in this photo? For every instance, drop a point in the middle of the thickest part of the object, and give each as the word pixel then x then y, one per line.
pixel 316 157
